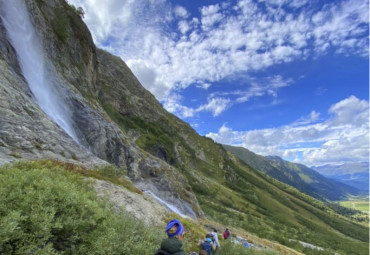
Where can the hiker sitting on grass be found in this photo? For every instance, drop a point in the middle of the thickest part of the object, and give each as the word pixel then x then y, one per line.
pixel 206 245
pixel 172 245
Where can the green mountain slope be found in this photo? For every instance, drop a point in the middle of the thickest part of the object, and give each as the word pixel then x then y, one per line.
pixel 228 190
pixel 297 175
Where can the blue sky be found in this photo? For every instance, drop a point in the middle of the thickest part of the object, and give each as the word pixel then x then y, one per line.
pixel 279 77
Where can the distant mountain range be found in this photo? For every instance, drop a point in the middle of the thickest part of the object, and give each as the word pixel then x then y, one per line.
pixel 353 174
pixel 299 176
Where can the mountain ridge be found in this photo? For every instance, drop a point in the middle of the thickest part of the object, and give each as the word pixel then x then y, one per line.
pixel 299 176
pixel 352 174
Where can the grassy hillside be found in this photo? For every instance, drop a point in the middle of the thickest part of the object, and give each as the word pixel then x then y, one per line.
pixel 236 195
pixel 54 203
pixel 275 211
pixel 228 190
pixel 47 207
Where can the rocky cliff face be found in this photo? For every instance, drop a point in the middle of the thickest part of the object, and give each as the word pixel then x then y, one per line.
pixel 86 76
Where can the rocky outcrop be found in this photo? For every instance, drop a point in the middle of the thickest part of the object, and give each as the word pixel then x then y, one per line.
pixel 143 207
pixel 83 75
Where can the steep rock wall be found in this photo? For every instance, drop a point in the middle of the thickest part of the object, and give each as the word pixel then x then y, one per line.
pixel 27 133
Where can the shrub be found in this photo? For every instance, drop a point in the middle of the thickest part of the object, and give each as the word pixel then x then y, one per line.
pixel 15 154
pixel 46 210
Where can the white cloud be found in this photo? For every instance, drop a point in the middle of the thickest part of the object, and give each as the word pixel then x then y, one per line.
pixel 254 87
pixel 172 105
pixel 215 105
pixel 335 26
pixel 148 75
pixel 291 3
pixel 226 40
pixel 183 26
pixel 181 12
pixel 204 85
pixel 343 137
pixel 350 110
pixel 311 118
pixel 210 16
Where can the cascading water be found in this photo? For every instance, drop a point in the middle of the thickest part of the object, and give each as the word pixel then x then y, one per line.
pixel 171 207
pixel 27 45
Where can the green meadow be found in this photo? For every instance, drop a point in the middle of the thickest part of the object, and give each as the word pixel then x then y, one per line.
pixel 360 204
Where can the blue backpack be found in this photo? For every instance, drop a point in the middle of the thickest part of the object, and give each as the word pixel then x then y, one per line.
pixel 206 246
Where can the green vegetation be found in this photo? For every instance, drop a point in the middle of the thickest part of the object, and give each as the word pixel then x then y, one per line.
pixel 78 11
pixel 299 176
pixel 239 249
pixel 275 211
pixel 38 146
pixel 234 194
pixel 154 138
pixel 15 155
pixel 356 209
pixel 74 157
pixel 47 207
pixel 360 205
pixel 110 173
pixel 60 24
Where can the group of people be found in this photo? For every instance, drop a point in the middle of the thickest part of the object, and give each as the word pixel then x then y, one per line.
pixel 173 244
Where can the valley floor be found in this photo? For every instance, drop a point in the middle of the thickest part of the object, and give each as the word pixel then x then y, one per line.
pixel 361 204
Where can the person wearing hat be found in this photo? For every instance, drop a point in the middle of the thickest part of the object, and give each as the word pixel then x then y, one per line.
pixel 173 244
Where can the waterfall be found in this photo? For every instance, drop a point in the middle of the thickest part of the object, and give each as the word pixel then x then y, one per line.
pixel 38 75
pixel 169 206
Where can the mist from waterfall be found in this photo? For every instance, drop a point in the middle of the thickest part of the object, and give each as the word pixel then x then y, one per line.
pixel 38 75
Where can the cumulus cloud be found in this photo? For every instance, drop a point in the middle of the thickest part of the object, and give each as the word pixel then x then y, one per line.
pixel 203 85
pixel 210 16
pixel 215 105
pixel 255 87
pixel 350 110
pixel 168 49
pixel 172 105
pixel 311 118
pixel 343 137
pixel 181 12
